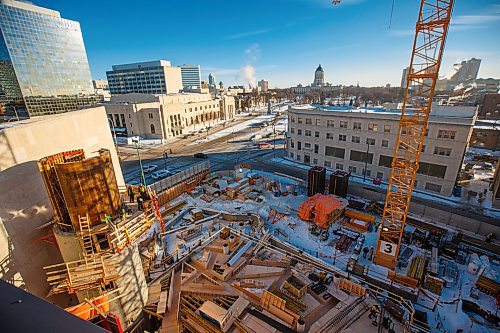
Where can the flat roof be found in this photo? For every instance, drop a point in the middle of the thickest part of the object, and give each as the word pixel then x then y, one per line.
pixel 436 111
pixel 139 65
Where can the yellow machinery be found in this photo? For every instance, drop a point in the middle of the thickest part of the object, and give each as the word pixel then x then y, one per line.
pixel 430 35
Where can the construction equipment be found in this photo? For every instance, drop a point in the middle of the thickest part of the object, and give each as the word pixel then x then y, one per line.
pixel 430 35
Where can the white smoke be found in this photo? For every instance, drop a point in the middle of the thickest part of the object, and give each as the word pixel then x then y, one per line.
pixel 247 72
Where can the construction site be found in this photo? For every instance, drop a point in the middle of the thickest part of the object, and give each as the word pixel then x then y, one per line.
pixel 250 251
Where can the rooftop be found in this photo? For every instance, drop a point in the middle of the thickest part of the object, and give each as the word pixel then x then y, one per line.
pixel 138 65
pixel 463 112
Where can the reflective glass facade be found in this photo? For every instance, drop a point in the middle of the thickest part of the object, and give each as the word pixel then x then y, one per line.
pixel 42 61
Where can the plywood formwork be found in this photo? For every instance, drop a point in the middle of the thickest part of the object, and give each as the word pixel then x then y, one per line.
pixel 82 274
pixel 79 186
pixel 127 231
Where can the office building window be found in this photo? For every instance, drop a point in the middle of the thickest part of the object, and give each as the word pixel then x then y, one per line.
pixel 309 121
pixel 328 164
pixel 441 151
pixel 308 133
pixel 299 120
pixel 380 175
pixel 433 170
pixel 370 141
pixel 352 169
pixel 299 131
pixel 307 145
pixel 356 126
pixel 433 187
pixel 339 166
pixel 368 172
pixel 290 154
pixel 330 123
pixel 316 149
pixel 307 158
pixel 292 130
pixel 373 127
pixel 153 129
pixel 316 134
pixel 299 145
pixel 445 134
pixel 329 136
pixel 356 139
pixel 292 118
pixel 385 161
pixel 360 156
pixel 343 124
pixel 335 152
pixel 292 144
pixel 385 143
pixel 150 115
pixel 298 157
pixel 318 122
pixel 387 128
pixel 342 137
pixel 315 161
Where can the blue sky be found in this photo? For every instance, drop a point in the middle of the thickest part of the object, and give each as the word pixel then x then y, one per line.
pixel 283 41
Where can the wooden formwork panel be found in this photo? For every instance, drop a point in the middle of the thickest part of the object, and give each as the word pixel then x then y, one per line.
pixel 352 287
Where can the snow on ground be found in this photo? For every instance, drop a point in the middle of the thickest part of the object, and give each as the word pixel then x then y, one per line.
pixel 450 201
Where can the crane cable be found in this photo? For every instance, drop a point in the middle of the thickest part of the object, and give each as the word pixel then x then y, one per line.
pixel 392 10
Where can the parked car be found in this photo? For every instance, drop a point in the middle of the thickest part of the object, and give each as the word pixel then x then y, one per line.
pixel 160 174
pixel 263 145
pixel 149 168
pixel 200 155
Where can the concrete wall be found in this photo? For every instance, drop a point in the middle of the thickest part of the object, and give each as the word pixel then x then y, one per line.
pixel 24 202
pixel 133 284
pixel 447 218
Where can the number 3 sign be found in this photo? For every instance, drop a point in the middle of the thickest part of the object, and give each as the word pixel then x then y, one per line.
pixel 388 248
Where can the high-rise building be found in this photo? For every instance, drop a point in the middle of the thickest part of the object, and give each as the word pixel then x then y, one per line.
pixel 404 77
pixel 152 77
pixel 43 63
pixel 212 80
pixel 263 85
pixel 191 75
pixel 462 73
pixel 319 77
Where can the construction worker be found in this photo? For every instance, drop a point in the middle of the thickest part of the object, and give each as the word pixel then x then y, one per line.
pixel 374 310
pixel 140 201
pixel 131 194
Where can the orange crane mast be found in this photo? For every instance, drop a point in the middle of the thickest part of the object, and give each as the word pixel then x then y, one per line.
pixel 430 36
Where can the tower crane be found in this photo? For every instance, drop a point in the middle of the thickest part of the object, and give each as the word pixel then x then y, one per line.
pixel 431 30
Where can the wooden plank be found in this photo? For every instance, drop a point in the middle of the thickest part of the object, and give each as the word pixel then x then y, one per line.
pixel 162 304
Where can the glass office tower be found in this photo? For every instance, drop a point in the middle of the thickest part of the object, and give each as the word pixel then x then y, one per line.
pixel 43 64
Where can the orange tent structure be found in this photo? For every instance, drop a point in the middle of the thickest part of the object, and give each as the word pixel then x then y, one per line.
pixel 321 209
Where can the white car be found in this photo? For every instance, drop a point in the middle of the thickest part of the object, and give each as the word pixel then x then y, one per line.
pixel 160 174
pixel 149 168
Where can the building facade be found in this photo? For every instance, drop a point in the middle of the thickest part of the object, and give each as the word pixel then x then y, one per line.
pixel 43 63
pixel 165 116
pixel 346 139
pixel 152 77
pixel 263 85
pixel 404 77
pixel 486 135
pixel 490 109
pixel 191 75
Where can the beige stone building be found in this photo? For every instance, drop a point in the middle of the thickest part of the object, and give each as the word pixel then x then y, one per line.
pixel 166 116
pixel 339 138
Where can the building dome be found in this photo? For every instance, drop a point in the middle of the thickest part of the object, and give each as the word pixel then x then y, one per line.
pixel 319 77
pixel 319 69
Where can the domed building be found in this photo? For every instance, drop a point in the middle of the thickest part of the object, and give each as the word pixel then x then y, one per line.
pixel 319 77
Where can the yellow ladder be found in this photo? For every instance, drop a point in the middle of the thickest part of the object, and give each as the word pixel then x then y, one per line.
pixel 87 243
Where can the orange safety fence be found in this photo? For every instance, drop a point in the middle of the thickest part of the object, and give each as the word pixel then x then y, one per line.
pixel 86 311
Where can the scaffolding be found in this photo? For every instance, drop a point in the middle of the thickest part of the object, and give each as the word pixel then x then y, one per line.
pixel 82 274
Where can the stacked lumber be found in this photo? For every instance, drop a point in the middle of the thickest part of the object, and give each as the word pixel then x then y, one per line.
pixel 233 189
pixel 351 287
pixel 128 231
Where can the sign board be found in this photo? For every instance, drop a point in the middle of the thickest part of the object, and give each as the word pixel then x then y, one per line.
pixel 388 248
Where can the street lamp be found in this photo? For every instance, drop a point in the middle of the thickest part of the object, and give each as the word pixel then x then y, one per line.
pixel 165 156
pixel 136 144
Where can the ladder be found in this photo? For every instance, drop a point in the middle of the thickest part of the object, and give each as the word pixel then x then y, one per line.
pixel 86 236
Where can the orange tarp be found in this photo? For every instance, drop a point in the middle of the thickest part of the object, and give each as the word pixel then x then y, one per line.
pixel 86 312
pixel 318 208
